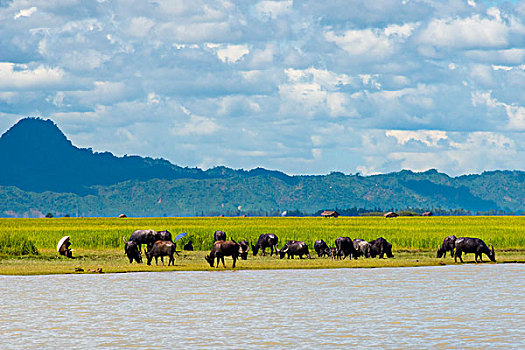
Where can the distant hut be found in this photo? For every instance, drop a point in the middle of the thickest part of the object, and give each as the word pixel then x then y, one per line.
pixel 122 216
pixel 390 214
pixel 330 214
pixel 427 213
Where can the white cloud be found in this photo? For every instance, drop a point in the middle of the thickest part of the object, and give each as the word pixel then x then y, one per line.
pixel 18 76
pixel 196 126
pixel 470 33
pixel 26 12
pixel 430 138
pixel 232 53
pixel 290 85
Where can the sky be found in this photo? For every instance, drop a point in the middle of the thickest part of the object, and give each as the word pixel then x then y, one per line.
pixel 304 87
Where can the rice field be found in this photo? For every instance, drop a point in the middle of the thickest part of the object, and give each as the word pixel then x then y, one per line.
pixel 405 233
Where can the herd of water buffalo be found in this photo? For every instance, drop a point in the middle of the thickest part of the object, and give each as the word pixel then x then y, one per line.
pixel 161 244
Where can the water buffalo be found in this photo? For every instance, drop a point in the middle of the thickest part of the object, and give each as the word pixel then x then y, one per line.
pixel 132 251
pixel 244 248
pixel 162 249
pixel 143 237
pixel 362 248
pixel 221 249
pixel 448 245
pixel 321 248
pixel 292 248
pixel 266 240
pixel 219 236
pixel 345 247
pixel 164 236
pixel 381 247
pixel 188 246
pixel 473 245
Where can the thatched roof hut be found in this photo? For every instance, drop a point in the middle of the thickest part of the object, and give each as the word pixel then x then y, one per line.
pixel 427 213
pixel 122 216
pixel 330 214
pixel 390 214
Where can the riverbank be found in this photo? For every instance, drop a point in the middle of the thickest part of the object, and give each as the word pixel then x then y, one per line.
pixel 114 261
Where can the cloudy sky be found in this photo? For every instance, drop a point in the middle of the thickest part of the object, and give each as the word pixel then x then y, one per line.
pixel 305 87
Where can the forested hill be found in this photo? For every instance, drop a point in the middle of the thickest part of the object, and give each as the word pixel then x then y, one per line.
pixel 43 172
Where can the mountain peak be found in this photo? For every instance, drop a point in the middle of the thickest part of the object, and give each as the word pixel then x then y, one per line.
pixel 33 135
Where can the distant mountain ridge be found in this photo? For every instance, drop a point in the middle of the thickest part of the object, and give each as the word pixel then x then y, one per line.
pixel 44 172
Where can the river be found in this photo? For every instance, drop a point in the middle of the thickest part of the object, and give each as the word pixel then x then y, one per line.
pixel 458 306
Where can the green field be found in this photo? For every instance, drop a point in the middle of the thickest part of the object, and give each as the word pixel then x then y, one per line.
pixel 98 241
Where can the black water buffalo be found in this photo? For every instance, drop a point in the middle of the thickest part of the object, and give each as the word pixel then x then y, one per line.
pixel 472 245
pixel 344 247
pixel 162 249
pixel 188 246
pixel 164 236
pixel 381 247
pixel 292 248
pixel 448 245
pixel 143 237
pixel 321 248
pixel 362 248
pixel 132 251
pixel 219 236
pixel 266 240
pixel 221 249
pixel 244 248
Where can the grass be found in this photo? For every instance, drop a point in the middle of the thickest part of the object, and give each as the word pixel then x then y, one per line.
pixel 97 242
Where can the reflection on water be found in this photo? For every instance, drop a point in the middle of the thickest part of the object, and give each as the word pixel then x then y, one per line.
pixel 463 306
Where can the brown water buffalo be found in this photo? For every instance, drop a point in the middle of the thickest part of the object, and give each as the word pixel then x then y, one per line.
pixel 473 245
pixel 162 249
pixel 221 249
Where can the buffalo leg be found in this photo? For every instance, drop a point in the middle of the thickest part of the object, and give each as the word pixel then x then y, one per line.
pixel 234 260
pixel 222 259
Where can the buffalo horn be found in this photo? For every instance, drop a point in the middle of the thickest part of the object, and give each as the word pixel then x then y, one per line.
pixel 124 239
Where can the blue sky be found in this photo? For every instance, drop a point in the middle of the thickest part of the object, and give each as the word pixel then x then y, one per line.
pixel 305 87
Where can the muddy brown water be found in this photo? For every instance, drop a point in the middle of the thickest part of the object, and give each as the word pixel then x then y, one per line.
pixel 459 306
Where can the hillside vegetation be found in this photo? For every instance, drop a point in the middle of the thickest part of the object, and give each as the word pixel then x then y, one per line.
pixel 44 173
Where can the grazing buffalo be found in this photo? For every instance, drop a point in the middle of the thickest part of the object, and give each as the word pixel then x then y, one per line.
pixel 140 237
pixel 292 248
pixel 244 248
pixel 219 236
pixel 162 249
pixel 381 247
pixel 221 249
pixel 473 245
pixel 448 245
pixel 132 251
pixel 345 247
pixel 362 248
pixel 266 240
pixel 321 248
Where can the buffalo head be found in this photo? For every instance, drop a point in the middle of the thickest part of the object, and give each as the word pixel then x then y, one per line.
pixel 492 255
pixel 209 259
